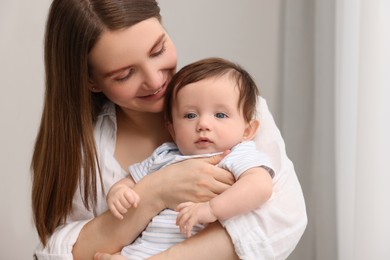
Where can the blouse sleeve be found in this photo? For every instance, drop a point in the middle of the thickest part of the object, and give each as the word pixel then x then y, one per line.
pixel 60 243
pixel 273 231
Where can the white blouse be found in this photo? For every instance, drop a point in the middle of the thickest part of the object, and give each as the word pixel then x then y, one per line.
pixel 272 234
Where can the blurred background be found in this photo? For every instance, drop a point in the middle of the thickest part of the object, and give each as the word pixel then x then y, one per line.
pixel 322 65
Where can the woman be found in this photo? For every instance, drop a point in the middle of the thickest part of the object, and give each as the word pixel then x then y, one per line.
pixel 107 67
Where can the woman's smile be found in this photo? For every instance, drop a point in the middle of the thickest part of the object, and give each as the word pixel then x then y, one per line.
pixel 158 94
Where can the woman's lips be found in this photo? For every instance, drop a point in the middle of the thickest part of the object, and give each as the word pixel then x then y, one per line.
pixel 158 90
pixel 159 93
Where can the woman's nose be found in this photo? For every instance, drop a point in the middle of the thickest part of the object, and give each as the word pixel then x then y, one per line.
pixel 153 78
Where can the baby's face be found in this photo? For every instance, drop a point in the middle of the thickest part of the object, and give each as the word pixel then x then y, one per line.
pixel 206 116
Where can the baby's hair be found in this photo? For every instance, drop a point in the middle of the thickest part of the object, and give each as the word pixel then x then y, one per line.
pixel 213 68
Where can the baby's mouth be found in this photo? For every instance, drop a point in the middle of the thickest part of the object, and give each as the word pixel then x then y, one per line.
pixel 203 140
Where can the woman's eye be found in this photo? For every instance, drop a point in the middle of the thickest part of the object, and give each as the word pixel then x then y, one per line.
pixel 160 51
pixel 220 115
pixel 125 76
pixel 190 115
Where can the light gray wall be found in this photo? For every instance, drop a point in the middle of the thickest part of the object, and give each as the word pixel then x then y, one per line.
pixel 21 81
pixel 246 32
pixel 243 31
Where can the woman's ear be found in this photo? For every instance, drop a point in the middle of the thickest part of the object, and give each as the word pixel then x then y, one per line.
pixel 92 86
pixel 250 130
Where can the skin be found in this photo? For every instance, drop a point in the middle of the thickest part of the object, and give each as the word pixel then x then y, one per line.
pixel 204 121
pixel 195 247
pixel 132 68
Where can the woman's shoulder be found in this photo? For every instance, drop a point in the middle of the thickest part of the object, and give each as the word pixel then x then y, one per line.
pixel 108 109
pixel 261 108
pixel 106 117
pixel 105 126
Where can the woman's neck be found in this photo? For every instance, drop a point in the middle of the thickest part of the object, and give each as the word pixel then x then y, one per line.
pixel 138 134
pixel 144 123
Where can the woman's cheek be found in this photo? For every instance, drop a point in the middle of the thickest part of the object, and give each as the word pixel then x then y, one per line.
pixel 171 58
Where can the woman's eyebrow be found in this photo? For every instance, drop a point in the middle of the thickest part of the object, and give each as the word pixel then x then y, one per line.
pixel 109 74
pixel 157 42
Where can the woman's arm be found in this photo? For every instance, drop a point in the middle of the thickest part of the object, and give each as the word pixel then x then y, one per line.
pixel 106 233
pixel 252 189
pixel 273 231
pixel 213 242
pixel 194 180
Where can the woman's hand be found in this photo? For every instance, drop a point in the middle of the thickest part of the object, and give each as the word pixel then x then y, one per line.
pixel 196 180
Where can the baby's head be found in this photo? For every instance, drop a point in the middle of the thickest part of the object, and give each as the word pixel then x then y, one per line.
pixel 210 106
pixel 213 68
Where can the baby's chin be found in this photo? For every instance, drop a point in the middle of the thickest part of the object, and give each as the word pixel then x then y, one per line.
pixel 205 151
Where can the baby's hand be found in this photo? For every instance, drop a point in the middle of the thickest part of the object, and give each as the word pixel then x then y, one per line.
pixel 191 214
pixel 120 198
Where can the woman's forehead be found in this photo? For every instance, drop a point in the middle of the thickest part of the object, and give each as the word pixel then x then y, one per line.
pixel 121 48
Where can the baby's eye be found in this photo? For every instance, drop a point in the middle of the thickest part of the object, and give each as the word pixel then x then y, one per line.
pixel 220 115
pixel 190 115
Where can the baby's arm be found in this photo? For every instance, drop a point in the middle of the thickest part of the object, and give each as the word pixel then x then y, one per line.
pixel 252 189
pixel 121 197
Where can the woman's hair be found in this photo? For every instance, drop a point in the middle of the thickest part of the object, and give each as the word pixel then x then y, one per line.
pixel 65 156
pixel 212 68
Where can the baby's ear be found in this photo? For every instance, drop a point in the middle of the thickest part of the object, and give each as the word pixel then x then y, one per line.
pixel 250 130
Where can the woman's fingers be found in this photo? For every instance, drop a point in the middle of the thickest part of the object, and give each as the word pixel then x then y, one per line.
pixel 218 173
pixel 219 187
pixel 196 180
pixel 215 159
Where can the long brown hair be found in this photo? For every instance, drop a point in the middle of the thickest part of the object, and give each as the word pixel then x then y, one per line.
pixel 65 155
pixel 210 68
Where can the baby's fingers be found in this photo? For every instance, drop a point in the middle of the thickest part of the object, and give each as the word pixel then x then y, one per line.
pixel 114 211
pixel 189 226
pixel 131 198
pixel 182 219
pixel 183 205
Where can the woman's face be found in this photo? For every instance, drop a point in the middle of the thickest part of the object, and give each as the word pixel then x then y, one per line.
pixel 133 67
